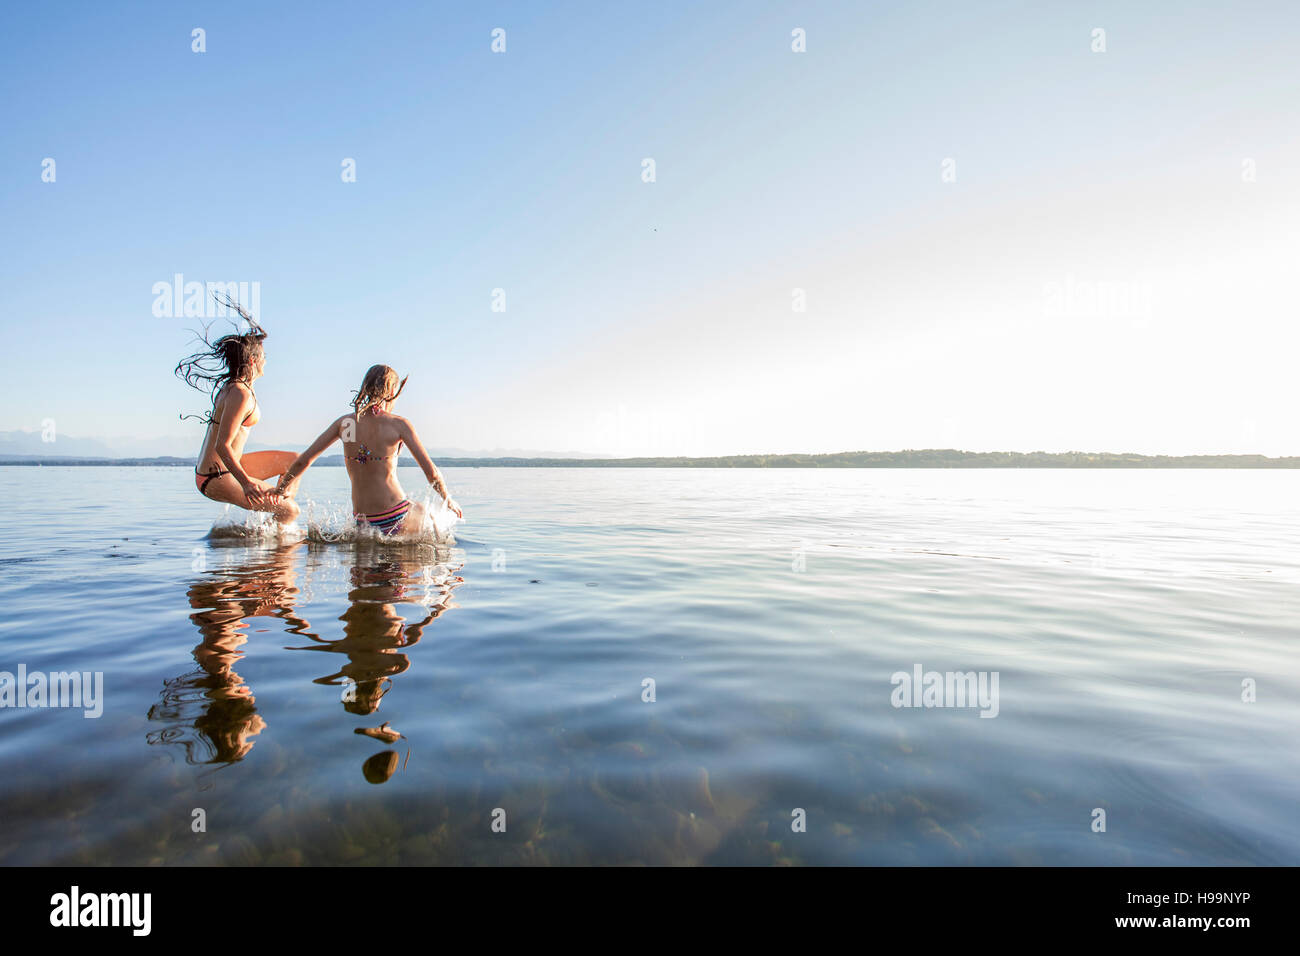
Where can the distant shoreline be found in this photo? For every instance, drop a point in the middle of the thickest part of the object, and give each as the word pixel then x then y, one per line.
pixel 927 458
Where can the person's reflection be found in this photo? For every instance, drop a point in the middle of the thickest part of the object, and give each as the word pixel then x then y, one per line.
pixel 210 712
pixel 375 636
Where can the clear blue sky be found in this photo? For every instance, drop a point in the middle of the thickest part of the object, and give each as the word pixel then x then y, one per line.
pixel 656 318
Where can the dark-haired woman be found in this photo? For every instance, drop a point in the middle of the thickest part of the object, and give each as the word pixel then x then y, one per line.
pixel 225 473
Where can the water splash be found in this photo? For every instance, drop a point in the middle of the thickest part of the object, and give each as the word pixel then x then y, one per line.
pixel 327 522
pixel 430 522
pixel 236 523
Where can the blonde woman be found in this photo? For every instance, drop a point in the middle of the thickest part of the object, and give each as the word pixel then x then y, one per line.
pixel 372 438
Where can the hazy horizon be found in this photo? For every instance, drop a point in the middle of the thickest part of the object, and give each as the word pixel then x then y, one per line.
pixel 110 448
pixel 1001 237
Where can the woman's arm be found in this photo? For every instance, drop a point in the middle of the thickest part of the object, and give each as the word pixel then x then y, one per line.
pixel 232 412
pixel 289 480
pixel 407 431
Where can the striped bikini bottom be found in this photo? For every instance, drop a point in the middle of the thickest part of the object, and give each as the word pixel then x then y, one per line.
pixel 387 522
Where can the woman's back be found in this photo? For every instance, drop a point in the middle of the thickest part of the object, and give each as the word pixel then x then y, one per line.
pixel 371 459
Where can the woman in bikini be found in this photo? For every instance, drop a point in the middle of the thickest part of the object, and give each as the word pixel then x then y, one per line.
pixel 372 438
pixel 227 368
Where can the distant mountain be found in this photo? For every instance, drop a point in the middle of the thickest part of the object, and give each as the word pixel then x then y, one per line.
pixel 25 443
pixel 31 443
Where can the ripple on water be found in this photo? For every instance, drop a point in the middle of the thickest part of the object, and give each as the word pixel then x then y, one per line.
pixel 1122 613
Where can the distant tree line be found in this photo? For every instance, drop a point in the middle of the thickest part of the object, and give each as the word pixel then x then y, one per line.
pixel 922 458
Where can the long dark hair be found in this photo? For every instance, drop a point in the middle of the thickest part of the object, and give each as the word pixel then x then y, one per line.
pixel 226 360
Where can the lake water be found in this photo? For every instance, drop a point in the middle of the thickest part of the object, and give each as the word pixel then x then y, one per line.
pixel 1125 614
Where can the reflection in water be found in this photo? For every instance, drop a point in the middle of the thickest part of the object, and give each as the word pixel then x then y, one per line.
pixel 773 686
pixel 210 712
pixel 375 634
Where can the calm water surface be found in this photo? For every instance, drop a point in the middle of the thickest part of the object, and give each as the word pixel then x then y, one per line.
pixel 1122 611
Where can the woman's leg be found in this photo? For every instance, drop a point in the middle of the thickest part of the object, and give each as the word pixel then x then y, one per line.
pixel 414 520
pixel 228 491
pixel 267 464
